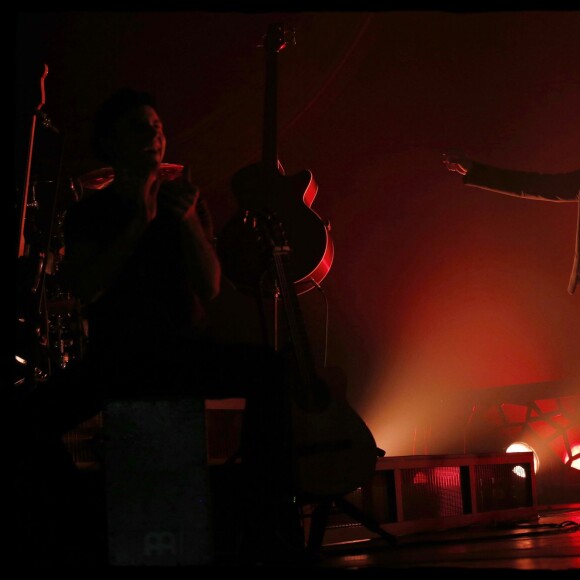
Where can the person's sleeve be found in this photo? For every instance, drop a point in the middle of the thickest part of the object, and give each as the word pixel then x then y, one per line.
pixel 530 185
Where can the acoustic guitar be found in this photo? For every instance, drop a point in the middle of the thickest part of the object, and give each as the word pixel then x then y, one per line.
pixel 264 187
pixel 333 451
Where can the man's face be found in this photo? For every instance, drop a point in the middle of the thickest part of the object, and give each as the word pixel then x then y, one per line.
pixel 139 141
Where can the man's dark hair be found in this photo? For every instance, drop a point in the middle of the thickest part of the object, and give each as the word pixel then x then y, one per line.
pixel 107 115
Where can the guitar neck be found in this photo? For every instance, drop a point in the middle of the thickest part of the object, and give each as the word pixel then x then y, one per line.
pixel 275 42
pixel 270 130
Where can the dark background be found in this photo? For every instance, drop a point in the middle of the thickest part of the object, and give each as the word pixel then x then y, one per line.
pixel 437 289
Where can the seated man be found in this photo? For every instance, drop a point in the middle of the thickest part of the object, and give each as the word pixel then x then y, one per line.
pixel 140 257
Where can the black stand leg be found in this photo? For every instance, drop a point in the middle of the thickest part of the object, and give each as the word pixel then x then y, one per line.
pixel 364 519
pixel 320 519
pixel 318 525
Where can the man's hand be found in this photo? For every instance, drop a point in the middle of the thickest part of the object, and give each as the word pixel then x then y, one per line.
pixel 457 161
pixel 179 195
pixel 140 184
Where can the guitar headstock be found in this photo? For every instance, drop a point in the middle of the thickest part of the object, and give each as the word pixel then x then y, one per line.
pixel 278 37
pixel 42 93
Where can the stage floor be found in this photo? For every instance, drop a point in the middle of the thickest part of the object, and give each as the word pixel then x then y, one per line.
pixel 550 542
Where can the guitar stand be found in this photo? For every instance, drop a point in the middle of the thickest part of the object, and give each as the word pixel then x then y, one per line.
pixel 320 519
pixel 321 512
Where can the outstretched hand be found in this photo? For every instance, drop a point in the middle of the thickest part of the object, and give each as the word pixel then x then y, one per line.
pixel 457 161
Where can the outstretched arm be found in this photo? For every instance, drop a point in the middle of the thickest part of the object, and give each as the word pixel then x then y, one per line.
pixel 524 184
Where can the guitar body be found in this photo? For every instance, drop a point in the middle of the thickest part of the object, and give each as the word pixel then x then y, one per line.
pixel 334 452
pixel 260 188
pixel 263 187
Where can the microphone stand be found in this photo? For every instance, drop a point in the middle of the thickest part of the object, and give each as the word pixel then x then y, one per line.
pixel 24 200
pixel 33 249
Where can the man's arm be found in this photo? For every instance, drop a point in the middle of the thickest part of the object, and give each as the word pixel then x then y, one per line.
pixel 93 263
pixel 524 184
pixel 196 231
pixel 91 267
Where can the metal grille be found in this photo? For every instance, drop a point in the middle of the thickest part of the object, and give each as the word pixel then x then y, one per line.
pixel 502 486
pixel 431 492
